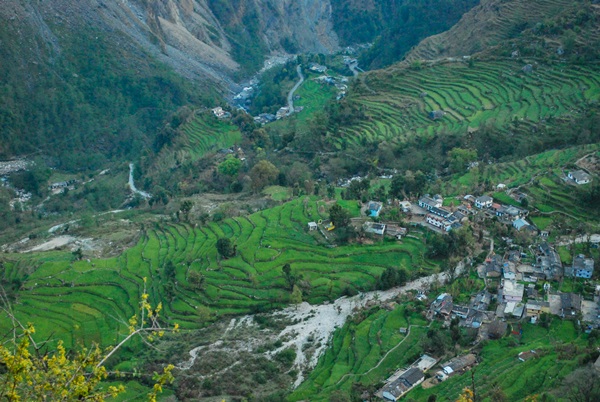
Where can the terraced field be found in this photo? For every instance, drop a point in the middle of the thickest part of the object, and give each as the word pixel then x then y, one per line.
pixel 499 364
pixel 541 177
pixel 207 134
pixel 488 24
pixel 91 301
pixel 356 350
pixel 495 93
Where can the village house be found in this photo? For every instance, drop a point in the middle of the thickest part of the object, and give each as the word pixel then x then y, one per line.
pixel 460 311
pixel 483 202
pixel 374 208
pixel 405 206
pixel 570 305
pixel 527 355
pixel 312 226
pixel 481 300
pixel 580 177
pixel 582 267
pixel 511 292
pixel 407 381
pixel 509 212
pixel 493 266
pixel 62 184
pixel 220 113
pixel 396 231
pixel 428 203
pixel 436 114
pixel 549 262
pixel 317 68
pixel 536 307
pixel 457 365
pixel 375 228
pixel 439 222
pixel 442 305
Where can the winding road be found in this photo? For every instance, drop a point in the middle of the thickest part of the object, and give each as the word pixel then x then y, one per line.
pixel 290 98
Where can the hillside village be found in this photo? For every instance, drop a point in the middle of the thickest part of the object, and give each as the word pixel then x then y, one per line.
pixel 526 280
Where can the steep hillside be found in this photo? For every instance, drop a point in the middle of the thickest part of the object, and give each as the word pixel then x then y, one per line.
pixel 488 24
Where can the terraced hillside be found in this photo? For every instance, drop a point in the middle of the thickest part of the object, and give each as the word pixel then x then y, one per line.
pixel 92 300
pixel 542 178
pixel 365 352
pixel 488 24
pixel 207 134
pixel 495 94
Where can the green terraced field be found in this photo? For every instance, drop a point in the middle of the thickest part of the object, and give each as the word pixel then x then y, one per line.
pixel 91 301
pixel 358 347
pixel 541 177
pixel 207 134
pixel 499 364
pixel 494 92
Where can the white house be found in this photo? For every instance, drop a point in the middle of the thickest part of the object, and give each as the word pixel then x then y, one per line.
pixel 312 226
pixel 580 177
pixel 483 202
pixel 512 292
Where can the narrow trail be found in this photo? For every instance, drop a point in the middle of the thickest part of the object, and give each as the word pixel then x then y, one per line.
pixel 290 97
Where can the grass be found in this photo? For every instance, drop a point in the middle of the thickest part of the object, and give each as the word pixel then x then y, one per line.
pixel 81 301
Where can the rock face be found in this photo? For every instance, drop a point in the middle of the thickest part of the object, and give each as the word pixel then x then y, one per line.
pixel 195 37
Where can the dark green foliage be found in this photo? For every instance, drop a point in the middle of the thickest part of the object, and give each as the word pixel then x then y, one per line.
pixel 90 102
pixel 392 277
pixel 339 216
pixel 169 270
pixel 225 247
pixel 394 26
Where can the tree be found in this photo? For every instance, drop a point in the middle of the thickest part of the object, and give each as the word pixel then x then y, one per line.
pixel 296 296
pixel 169 270
pixel 287 273
pixel 582 385
pixel 263 174
pixel 55 375
pixel 225 248
pixel 339 216
pixel 186 208
pixel 197 279
pixel 230 166
pixel 459 158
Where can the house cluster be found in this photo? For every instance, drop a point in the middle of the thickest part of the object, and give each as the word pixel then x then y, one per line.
pixel 458 365
pixel 517 295
pixel 438 216
pixel 317 68
pixel 341 83
pixel 60 186
pixel 265 118
pixel 473 315
pixel 406 379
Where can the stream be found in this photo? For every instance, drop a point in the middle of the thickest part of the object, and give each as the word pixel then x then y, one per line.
pixel 143 194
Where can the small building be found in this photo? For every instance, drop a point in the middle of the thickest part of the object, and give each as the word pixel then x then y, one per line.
pixel 439 222
pixel 481 300
pixel 520 224
pixel 406 206
pixel 580 177
pixel 312 226
pixel 483 202
pixel 527 69
pixel 436 114
pixel 317 68
pixel 460 311
pixel 457 365
pixel 374 208
pixel 395 231
pixel 524 356
pixel 375 228
pixel 407 381
pixel 512 292
pixel 582 267
pixel 493 266
pixel 570 305
pixel 428 203
pixel 536 307
pixel 442 305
